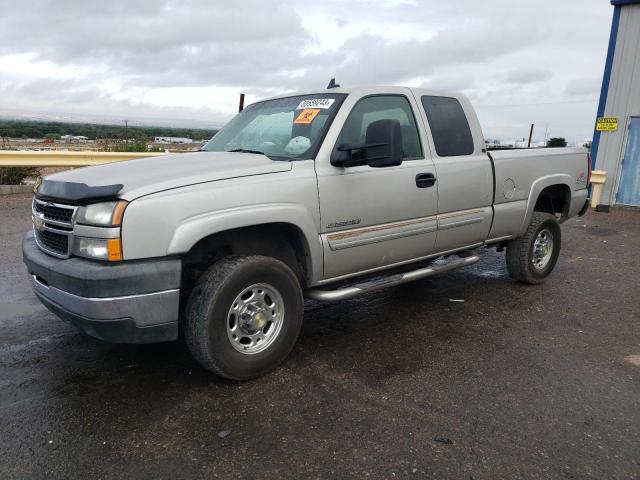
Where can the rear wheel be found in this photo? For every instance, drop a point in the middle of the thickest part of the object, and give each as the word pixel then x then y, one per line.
pixel 244 316
pixel 532 257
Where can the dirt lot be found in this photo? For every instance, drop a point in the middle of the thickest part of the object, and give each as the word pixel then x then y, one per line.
pixel 514 382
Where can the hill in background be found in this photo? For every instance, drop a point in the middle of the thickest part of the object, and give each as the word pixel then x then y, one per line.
pixel 44 129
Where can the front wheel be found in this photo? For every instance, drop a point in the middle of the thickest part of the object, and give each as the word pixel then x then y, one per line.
pixel 244 316
pixel 532 257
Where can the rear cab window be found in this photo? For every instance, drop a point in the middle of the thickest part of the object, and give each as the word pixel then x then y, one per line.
pixel 449 126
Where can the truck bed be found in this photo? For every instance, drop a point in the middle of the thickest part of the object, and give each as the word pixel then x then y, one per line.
pixel 521 175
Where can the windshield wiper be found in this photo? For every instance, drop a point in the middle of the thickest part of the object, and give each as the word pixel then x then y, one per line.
pixel 258 152
pixel 244 150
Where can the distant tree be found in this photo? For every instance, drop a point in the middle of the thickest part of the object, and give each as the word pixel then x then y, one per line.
pixel 557 142
pixel 4 135
pixel 38 129
pixel 135 143
pixel 51 136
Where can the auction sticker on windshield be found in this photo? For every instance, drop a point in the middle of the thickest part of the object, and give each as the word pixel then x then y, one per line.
pixel 307 116
pixel 316 103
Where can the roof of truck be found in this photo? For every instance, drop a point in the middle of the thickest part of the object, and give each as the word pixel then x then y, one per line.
pixel 368 90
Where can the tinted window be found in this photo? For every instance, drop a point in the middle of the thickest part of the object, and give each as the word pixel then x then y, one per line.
pixel 371 109
pixel 449 126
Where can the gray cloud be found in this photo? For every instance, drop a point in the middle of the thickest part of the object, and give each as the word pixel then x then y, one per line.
pixel 528 75
pixel 583 86
pixel 497 52
pixel 73 101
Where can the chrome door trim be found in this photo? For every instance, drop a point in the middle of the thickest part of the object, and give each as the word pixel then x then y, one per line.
pixel 357 237
pixel 459 223
pixel 460 213
pixel 379 233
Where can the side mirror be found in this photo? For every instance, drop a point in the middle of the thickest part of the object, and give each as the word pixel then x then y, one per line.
pixel 382 147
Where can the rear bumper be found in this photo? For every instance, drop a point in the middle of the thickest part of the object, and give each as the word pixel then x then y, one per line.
pixel 129 302
pixel 579 203
pixel 584 208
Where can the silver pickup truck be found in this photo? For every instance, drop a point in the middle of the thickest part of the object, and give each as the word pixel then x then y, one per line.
pixel 327 194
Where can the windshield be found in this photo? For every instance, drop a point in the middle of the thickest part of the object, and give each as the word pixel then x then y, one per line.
pixel 284 128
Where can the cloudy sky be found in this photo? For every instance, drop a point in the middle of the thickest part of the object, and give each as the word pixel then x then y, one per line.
pixel 184 63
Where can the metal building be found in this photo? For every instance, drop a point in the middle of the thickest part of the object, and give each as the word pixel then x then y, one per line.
pixel 616 141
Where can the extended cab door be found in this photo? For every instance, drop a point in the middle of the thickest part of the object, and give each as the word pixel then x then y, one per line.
pixel 375 217
pixel 463 169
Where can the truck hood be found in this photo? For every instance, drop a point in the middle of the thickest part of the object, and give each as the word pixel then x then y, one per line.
pixel 153 174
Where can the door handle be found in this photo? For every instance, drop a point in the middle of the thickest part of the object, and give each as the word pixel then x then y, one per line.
pixel 424 180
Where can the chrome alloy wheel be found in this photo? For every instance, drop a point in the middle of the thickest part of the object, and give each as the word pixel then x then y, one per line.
pixel 542 249
pixel 255 318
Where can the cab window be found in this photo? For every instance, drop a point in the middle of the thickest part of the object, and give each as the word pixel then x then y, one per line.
pixel 382 107
pixel 449 126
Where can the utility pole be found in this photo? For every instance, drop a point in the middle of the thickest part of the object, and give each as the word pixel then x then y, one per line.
pixel 530 135
pixel 126 131
pixel 241 104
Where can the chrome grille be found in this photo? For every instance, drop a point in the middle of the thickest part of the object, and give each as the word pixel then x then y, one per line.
pixel 54 213
pixel 53 227
pixel 55 242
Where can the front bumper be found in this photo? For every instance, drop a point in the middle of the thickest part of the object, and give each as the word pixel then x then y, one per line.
pixel 128 302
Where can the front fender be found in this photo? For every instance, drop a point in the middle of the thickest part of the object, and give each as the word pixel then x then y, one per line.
pixel 195 228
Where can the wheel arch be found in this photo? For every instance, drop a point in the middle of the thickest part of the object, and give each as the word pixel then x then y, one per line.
pixel 554 199
pixel 556 188
pixel 278 231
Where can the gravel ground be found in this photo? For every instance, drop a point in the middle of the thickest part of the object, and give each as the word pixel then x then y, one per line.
pixel 515 382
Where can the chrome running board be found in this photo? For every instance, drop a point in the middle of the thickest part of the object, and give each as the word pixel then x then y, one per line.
pixel 390 281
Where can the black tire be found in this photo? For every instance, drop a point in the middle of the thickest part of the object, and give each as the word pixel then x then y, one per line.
pixel 206 321
pixel 520 251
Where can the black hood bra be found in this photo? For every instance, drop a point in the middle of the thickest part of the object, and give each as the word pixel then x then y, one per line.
pixel 75 193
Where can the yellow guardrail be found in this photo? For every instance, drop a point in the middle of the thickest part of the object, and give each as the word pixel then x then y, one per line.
pixel 57 158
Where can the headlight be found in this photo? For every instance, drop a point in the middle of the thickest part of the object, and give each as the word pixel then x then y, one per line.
pixel 109 249
pixel 106 214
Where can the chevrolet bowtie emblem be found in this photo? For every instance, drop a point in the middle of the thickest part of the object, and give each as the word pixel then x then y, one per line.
pixel 38 222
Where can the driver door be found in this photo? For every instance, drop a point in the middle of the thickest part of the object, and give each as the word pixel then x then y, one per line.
pixel 376 217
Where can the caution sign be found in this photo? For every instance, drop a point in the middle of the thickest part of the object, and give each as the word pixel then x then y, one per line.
pixel 607 124
pixel 307 116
